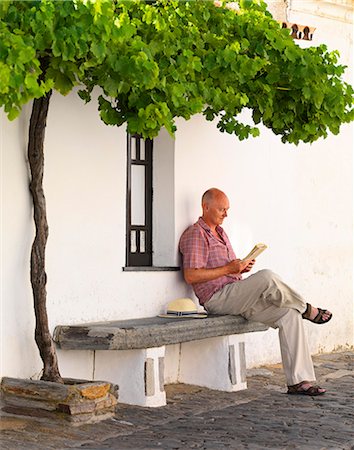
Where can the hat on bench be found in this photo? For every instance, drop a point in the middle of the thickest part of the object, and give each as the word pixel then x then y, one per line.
pixel 182 308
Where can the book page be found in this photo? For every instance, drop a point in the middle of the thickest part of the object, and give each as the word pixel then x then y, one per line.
pixel 256 251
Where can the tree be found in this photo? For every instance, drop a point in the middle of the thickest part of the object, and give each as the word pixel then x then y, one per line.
pixel 155 61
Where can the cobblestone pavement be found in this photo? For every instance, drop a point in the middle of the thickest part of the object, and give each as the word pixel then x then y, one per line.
pixel 261 417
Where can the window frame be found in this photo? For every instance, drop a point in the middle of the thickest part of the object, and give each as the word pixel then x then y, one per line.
pixel 139 258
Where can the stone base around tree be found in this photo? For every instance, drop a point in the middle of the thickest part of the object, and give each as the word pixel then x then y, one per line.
pixel 76 401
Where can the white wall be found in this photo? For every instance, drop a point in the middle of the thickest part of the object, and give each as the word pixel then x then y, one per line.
pixel 85 186
pixel 299 200
pixel 18 351
pixel 164 239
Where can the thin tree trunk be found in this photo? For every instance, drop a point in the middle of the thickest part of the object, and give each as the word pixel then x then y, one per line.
pixel 38 275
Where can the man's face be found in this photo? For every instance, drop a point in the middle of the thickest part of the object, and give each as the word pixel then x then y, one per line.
pixel 216 210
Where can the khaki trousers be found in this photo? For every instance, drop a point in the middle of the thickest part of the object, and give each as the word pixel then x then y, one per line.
pixel 264 297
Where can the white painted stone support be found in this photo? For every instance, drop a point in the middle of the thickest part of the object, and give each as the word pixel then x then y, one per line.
pixel 217 363
pixel 138 373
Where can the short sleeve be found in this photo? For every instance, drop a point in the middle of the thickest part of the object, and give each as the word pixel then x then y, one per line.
pixel 194 248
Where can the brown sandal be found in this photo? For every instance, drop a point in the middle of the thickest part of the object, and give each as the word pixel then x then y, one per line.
pixel 305 388
pixel 319 318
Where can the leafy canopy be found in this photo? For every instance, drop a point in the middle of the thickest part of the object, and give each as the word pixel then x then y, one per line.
pixel 158 60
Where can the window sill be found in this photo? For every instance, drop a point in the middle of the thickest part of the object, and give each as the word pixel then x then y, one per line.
pixel 151 269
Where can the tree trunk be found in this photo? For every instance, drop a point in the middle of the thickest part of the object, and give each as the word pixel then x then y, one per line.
pixel 38 275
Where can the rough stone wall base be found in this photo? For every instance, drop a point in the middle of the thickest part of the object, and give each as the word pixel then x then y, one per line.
pixel 75 401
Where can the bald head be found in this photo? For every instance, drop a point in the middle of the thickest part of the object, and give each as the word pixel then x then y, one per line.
pixel 212 195
pixel 215 205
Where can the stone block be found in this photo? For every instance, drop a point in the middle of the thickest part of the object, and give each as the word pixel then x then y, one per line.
pixel 93 391
pixel 150 332
pixel 149 377
pixel 76 401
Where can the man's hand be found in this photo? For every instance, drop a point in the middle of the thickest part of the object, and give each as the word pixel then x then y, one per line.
pixel 238 266
pixel 250 264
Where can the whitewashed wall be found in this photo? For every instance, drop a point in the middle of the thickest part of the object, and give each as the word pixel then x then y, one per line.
pixel 18 351
pixel 85 185
pixel 299 200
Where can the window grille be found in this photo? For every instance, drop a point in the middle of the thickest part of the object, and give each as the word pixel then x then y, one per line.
pixel 139 201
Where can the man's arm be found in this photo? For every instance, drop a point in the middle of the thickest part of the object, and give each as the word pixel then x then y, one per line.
pixel 235 267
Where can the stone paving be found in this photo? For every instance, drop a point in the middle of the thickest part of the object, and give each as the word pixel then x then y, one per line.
pixel 261 417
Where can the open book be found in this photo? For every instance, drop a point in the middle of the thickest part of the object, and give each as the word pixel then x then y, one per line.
pixel 256 251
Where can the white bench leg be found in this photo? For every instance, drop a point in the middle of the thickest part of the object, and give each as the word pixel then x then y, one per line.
pixel 138 373
pixel 217 363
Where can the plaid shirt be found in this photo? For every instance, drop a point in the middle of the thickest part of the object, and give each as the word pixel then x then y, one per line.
pixel 202 250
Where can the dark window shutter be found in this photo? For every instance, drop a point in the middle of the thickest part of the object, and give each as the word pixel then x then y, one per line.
pixel 139 234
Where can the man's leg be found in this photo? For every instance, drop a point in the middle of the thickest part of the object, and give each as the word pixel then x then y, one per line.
pixel 295 353
pixel 297 362
pixel 257 292
pixel 296 358
pixel 261 299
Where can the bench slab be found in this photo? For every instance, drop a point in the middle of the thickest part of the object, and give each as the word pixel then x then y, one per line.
pixel 149 332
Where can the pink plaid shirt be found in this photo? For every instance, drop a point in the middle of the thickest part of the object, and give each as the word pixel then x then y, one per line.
pixel 202 250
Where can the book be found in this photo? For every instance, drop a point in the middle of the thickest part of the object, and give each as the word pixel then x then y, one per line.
pixel 256 251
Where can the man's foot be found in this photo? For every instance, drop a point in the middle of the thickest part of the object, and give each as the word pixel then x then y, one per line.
pixel 305 388
pixel 316 315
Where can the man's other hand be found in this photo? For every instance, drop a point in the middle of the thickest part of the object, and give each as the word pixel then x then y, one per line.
pixel 238 266
pixel 250 264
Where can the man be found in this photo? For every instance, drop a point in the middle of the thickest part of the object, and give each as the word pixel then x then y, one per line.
pixel 211 267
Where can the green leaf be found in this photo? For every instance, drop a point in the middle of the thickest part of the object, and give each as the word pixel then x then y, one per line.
pixel 63 83
pixel 306 92
pixel 84 95
pixel 273 76
pixel 291 53
pixel 99 50
pixel 31 81
pixel 14 113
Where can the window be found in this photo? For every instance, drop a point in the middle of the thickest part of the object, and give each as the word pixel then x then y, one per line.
pixel 139 201
pixel 150 223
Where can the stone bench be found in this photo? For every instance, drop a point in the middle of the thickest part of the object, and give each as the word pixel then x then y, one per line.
pixel 207 352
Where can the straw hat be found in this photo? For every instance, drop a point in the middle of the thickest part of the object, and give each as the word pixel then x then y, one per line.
pixel 182 308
